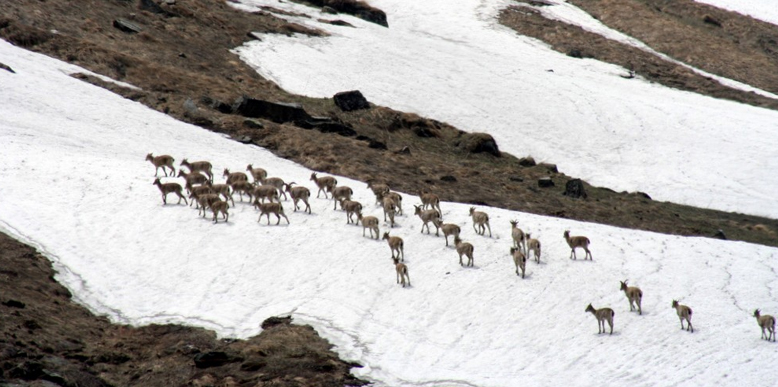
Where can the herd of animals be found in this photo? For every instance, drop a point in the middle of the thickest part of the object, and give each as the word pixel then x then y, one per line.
pixel 265 192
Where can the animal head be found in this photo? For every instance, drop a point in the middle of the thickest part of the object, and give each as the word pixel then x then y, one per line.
pixel 623 285
pixel 418 210
pixel 472 210
pixel 156 182
pixel 514 223
pixel 589 308
pixel 226 172
pixel 756 313
pixel 513 250
pixel 567 233
pixel 149 157
pixel 184 162
pixel 313 176
pixel 675 304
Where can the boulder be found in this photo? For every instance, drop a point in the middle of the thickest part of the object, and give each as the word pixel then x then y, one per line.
pixel 5 67
pixel 527 161
pixel 213 359
pixel 448 178
pixel 127 26
pixel 277 112
pixel 575 189
pixel 351 100
pixel 545 182
pixel 479 143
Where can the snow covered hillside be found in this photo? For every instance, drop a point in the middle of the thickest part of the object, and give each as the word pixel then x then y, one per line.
pixel 75 184
pixel 765 10
pixel 453 62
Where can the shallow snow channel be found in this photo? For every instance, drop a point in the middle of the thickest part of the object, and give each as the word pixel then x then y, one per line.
pixel 75 183
pixel 451 61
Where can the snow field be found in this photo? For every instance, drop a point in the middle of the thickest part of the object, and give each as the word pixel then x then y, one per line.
pixel 74 183
pixel 452 61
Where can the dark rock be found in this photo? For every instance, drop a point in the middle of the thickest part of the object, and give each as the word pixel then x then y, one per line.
pixel 31 325
pixel 575 189
pixel 449 178
pixel 127 26
pixel 328 9
pixel 334 127
pixel 253 124
pixel 540 3
pixel 253 365
pixel 26 371
pixel 5 67
pixel 425 132
pixel 338 23
pixel 710 20
pixel 720 234
pixel 545 182
pixel 275 111
pixel 375 144
pixel 14 304
pixel 479 143
pixel 245 140
pixel 550 167
pixel 273 321
pixel 516 178
pixel 527 161
pixel 351 100
pixel 643 195
pixel 151 6
pixel 575 53
pixel 213 359
pixel 376 16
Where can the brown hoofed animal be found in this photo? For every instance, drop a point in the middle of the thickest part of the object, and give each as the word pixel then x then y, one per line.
pixel 431 200
pixel 448 229
pixel 369 222
pixel 220 206
pixel 602 315
pixel 428 216
pixel 199 166
pixel 257 173
pixel 341 193
pixel 575 242
pixel 233 177
pixel 352 208
pixel 266 192
pixel 396 198
pixel 395 244
pixel 192 179
pixel 204 202
pixel 222 189
pixel 378 190
pixel 325 183
pixel 402 272
pixel 390 209
pixel 466 249
pixel 766 322
pixel 482 220
pixel 297 194
pixel 243 187
pixel 533 245
pixel 634 295
pixel 167 188
pixel 162 161
pixel 196 192
pixel 271 208
pixel 275 182
pixel 519 259
pixel 519 239
pixel 684 313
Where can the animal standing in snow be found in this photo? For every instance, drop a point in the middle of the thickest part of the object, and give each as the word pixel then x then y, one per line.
pixel 325 183
pixel 265 192
pixel 428 216
pixel 299 193
pixel 257 173
pixel 271 208
pixel 395 244
pixel 192 179
pixel 482 220
pixel 167 188
pixel 352 207
pixel 466 249
pixel 602 315
pixel 232 177
pixel 518 236
pixel 341 193
pixel 199 166
pixel 220 206
pixel 575 242
pixel 684 313
pixel 533 245
pixel 431 200
pixel 275 182
pixel 162 161
pixel 448 229
pixel 369 222
pixel 766 322
pixel 634 295
pixel 390 209
pixel 402 272
pixel 519 259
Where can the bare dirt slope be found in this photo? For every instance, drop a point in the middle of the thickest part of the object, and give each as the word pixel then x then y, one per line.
pixel 179 56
